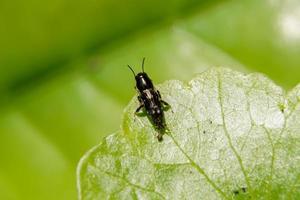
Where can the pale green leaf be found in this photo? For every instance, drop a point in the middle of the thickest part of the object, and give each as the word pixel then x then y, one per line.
pixel 231 136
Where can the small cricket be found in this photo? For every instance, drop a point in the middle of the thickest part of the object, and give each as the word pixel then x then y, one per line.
pixel 150 101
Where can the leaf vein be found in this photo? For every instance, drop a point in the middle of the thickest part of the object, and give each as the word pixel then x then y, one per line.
pixel 238 157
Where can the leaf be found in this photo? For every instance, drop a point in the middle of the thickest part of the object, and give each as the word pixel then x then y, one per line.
pixel 231 135
pixel 263 41
pixel 57 64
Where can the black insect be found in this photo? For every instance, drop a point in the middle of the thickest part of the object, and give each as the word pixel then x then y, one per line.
pixel 150 101
pixel 241 190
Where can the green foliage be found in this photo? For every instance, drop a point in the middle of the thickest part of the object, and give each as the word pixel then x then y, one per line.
pixel 231 136
pixel 64 81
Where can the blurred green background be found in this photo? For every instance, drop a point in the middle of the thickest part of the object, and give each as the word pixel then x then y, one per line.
pixel 64 81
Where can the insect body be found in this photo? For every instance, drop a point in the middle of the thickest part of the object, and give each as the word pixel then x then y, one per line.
pixel 150 100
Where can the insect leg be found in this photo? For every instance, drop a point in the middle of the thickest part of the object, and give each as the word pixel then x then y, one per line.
pixel 158 94
pixel 137 111
pixel 165 104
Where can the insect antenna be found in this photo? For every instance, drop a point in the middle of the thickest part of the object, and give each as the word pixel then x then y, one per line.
pixel 143 64
pixel 131 70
